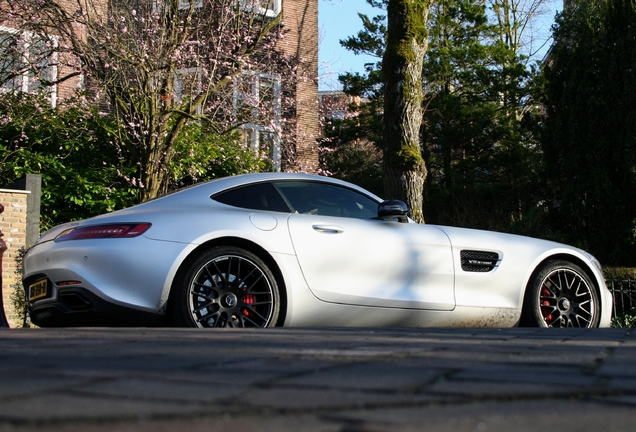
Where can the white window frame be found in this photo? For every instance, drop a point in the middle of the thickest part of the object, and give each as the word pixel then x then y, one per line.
pixel 255 128
pixel 185 4
pixel 255 6
pixel 158 5
pixel 178 81
pixel 26 80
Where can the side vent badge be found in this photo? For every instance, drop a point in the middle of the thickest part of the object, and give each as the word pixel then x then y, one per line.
pixel 478 261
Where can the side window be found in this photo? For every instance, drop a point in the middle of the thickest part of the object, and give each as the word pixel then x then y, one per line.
pixel 260 196
pixel 268 8
pixel 327 200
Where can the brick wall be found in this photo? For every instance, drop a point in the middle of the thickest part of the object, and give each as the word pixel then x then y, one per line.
pixel 13 225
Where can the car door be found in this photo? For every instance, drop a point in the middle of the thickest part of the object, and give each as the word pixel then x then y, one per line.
pixel 347 257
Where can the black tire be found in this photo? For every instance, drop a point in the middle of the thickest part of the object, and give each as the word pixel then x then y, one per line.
pixel 224 287
pixel 561 294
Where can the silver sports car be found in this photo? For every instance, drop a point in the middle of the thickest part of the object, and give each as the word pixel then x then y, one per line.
pixel 278 249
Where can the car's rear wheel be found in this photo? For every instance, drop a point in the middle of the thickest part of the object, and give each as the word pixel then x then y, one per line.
pixel 561 294
pixel 225 287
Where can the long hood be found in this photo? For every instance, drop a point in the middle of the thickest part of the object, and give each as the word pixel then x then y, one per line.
pixel 487 240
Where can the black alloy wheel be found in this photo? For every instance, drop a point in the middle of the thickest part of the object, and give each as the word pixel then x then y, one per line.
pixel 225 287
pixel 561 294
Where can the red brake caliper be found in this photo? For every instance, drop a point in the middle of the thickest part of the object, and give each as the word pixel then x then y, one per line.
pixel 248 299
pixel 546 293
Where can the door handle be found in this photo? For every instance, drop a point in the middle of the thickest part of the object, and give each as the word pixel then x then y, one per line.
pixel 328 229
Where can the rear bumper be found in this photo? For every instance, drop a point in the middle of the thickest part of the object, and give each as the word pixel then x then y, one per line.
pixel 79 307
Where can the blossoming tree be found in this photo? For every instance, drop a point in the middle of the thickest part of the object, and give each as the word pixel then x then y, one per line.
pixel 161 67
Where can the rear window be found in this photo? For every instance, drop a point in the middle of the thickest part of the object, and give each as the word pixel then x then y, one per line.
pixel 259 196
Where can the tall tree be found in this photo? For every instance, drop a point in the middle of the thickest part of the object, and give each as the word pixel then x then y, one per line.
pixel 406 45
pixel 480 152
pixel 589 138
pixel 161 66
pixel 481 155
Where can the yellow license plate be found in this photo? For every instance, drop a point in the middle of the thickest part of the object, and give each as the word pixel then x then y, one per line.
pixel 38 290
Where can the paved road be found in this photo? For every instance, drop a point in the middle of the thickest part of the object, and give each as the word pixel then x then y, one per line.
pixel 369 380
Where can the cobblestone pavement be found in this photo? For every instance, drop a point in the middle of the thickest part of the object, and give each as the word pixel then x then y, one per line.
pixel 138 380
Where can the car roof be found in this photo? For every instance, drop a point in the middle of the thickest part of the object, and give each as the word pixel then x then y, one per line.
pixel 191 194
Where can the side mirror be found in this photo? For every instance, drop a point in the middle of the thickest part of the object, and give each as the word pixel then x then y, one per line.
pixel 393 209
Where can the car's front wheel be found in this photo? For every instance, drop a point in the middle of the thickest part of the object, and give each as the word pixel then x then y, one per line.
pixel 225 287
pixel 561 294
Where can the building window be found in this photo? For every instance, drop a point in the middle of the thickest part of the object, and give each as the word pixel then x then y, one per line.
pixel 11 67
pixel 268 8
pixel 336 105
pixel 257 107
pixel 185 4
pixel 26 61
pixel 187 83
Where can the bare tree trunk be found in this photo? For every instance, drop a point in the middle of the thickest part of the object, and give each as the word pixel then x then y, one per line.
pixel 407 42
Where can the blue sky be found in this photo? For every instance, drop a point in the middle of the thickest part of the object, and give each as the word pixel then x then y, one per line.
pixel 338 19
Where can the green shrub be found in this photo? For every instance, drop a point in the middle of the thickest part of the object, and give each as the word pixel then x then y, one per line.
pixel 621 277
pixel 18 297
pixel 619 273
pixel 84 171
pixel 202 155
pixel 626 320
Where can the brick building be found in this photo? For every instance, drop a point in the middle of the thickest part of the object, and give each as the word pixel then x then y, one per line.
pixel 300 25
pixel 300 18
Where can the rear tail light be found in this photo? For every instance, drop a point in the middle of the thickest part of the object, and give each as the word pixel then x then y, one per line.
pixel 104 231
